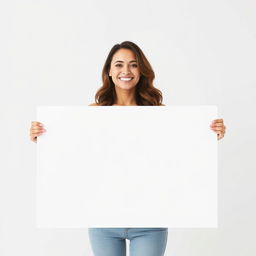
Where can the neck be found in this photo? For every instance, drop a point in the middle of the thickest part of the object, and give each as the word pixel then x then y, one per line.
pixel 125 97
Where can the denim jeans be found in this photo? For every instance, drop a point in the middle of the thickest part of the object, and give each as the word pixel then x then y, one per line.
pixel 143 241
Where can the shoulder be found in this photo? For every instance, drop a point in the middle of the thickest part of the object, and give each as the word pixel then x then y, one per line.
pixel 93 104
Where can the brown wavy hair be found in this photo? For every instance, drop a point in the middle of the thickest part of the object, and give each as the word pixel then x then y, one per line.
pixel 145 92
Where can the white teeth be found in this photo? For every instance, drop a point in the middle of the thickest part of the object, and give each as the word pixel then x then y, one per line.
pixel 125 79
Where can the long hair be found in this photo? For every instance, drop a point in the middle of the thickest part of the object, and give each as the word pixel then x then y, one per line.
pixel 145 93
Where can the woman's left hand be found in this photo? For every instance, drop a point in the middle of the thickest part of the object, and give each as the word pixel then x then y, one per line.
pixel 218 127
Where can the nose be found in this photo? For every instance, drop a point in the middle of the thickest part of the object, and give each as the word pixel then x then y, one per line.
pixel 126 69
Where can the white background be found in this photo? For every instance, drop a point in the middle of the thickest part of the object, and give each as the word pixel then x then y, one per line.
pixel 202 52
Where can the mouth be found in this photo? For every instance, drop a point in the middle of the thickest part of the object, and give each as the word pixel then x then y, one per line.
pixel 125 79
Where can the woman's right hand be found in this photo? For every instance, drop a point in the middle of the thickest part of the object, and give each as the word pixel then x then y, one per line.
pixel 36 130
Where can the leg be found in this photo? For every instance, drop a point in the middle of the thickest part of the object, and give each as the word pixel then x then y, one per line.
pixel 106 242
pixel 148 241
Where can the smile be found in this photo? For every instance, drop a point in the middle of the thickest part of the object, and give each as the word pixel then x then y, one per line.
pixel 126 78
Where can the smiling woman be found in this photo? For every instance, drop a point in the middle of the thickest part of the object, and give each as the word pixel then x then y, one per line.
pixel 127 81
pixel 127 78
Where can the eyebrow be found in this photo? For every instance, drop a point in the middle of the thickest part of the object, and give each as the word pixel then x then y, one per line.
pixel 122 61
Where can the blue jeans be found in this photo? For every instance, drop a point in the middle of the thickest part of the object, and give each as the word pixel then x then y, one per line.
pixel 143 241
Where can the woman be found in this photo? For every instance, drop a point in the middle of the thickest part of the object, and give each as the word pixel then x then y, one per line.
pixel 128 81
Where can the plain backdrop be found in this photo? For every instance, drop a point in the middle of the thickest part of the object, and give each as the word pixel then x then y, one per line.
pixel 52 53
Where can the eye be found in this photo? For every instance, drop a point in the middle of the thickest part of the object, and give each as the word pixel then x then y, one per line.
pixel 118 65
pixel 135 65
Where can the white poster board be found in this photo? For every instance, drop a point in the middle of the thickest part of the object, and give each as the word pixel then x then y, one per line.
pixel 126 166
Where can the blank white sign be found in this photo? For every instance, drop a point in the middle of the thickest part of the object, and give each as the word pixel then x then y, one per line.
pixel 126 166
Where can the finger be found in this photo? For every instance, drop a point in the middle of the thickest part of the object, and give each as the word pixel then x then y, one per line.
pixel 218 120
pixel 34 139
pixel 36 133
pixel 220 136
pixel 220 133
pixel 218 124
pixel 37 126
pixel 37 129
pixel 32 136
pixel 35 123
pixel 218 129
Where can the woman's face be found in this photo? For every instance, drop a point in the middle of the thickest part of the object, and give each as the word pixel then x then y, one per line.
pixel 124 65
